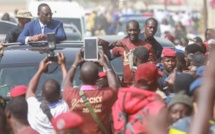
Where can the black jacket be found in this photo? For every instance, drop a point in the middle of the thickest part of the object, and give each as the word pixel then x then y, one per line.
pixel 13 34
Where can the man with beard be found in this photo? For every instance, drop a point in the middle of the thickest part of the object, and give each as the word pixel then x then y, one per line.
pixel 37 30
pixel 168 59
pixel 150 29
pixel 127 44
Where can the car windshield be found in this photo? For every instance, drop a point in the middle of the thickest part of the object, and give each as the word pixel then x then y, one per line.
pixel 21 75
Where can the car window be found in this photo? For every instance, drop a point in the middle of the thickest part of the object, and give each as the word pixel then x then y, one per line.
pixel 12 76
pixel 5 27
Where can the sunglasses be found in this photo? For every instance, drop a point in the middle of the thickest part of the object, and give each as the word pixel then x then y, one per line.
pixel 47 14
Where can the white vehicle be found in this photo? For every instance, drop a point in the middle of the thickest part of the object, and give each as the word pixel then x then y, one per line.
pixel 68 12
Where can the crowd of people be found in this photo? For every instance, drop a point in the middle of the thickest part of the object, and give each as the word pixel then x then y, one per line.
pixel 162 90
pixel 105 20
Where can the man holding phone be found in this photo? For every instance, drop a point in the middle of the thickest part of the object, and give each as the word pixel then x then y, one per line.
pixel 100 99
pixel 127 44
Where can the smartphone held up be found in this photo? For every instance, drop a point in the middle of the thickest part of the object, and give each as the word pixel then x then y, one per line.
pixel 90 49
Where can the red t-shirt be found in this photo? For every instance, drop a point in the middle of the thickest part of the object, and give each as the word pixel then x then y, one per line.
pixel 27 130
pixel 100 99
pixel 119 51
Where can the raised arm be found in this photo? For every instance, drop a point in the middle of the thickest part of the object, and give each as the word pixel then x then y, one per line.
pixel 70 75
pixel 119 48
pixel 62 62
pixel 112 82
pixel 32 86
pixel 105 48
pixel 205 99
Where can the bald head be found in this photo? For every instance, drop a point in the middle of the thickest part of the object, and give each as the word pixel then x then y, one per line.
pixel 89 73
pixel 51 91
pixel 132 23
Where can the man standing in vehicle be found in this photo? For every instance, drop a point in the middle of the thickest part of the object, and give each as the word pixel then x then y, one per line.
pixel 37 30
pixel 150 29
pixel 23 17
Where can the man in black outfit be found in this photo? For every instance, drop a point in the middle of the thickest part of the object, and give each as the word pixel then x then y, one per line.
pixel 23 17
pixel 150 29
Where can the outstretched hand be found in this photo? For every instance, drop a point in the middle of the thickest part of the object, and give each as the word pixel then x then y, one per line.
pixel 61 58
pixel 38 37
pixel 43 67
pixel 42 37
pixel 117 43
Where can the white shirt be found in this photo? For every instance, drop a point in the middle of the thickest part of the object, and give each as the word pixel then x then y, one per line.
pixel 42 27
pixel 38 120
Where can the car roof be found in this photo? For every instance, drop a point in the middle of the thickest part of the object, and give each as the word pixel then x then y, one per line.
pixel 165 42
pixel 27 54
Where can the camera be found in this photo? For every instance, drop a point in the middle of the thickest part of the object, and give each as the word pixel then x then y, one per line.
pixel 52 57
pixel 52 46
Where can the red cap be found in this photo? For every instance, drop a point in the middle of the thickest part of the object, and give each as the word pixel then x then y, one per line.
pixel 67 120
pixel 168 52
pixel 147 71
pixel 102 74
pixel 18 91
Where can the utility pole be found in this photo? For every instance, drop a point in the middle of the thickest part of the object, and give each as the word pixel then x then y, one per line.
pixel 205 15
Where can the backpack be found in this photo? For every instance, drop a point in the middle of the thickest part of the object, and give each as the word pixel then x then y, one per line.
pixel 135 123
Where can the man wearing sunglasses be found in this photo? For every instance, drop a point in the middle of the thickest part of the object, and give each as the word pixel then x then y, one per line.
pixel 37 30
